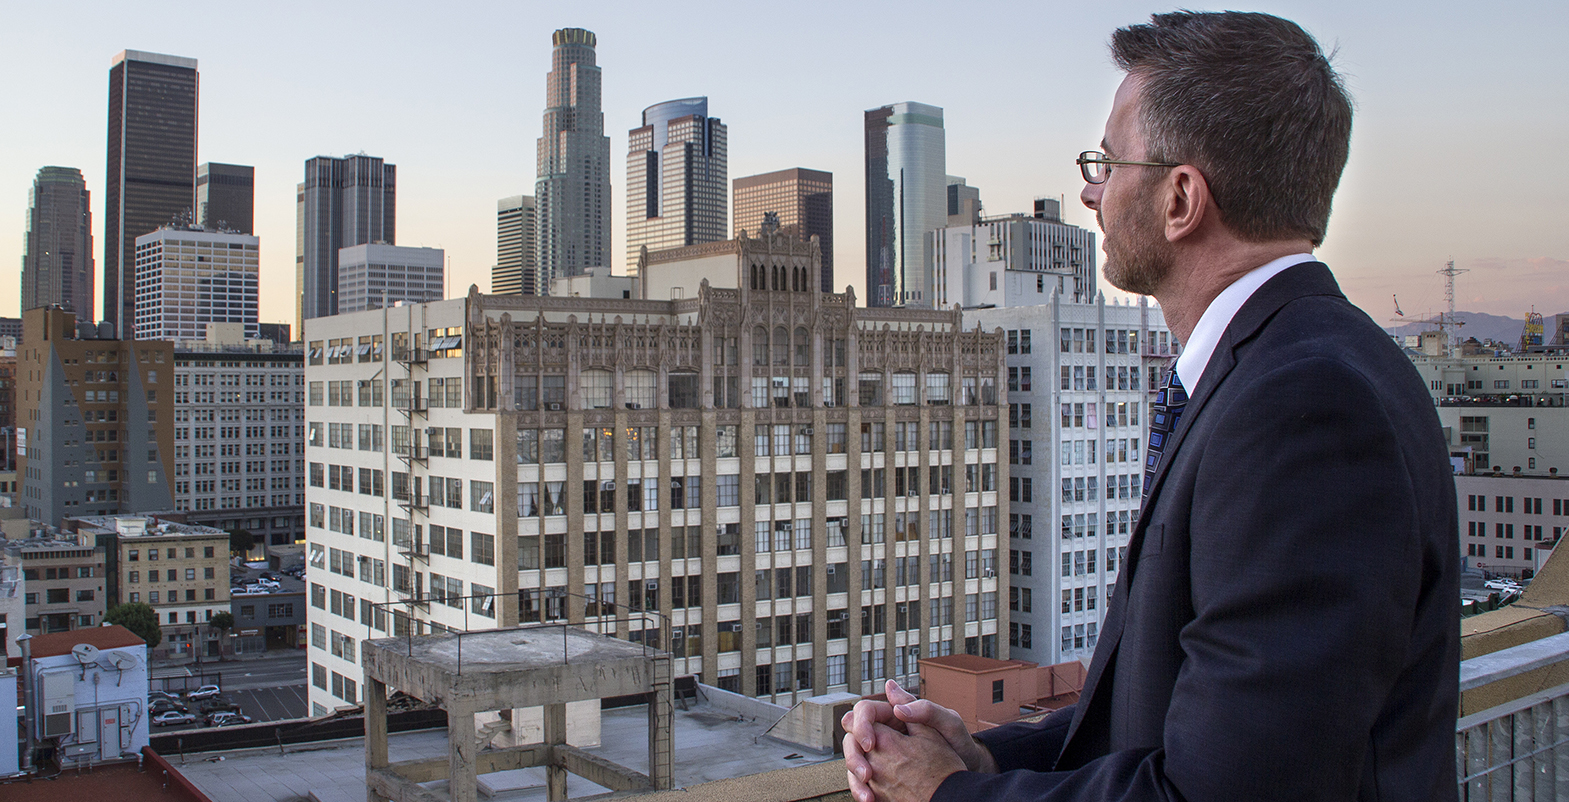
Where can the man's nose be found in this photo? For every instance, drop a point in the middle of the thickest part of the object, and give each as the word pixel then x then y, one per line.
pixel 1090 195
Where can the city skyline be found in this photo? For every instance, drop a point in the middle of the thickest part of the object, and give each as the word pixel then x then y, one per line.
pixel 1428 126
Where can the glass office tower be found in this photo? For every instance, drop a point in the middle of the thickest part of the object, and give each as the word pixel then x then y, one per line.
pixel 906 199
pixel 676 175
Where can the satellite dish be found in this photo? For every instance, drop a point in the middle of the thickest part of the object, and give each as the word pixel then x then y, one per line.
pixel 85 653
pixel 123 661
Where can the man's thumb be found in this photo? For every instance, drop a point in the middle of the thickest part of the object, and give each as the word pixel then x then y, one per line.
pixel 897 695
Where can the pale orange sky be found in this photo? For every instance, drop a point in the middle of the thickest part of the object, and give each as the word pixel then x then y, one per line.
pixel 1461 115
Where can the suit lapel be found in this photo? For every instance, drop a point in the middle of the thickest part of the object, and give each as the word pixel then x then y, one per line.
pixel 1308 278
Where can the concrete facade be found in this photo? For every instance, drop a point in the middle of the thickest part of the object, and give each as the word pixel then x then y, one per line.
pixel 95 420
pixel 1510 524
pixel 1080 377
pixel 756 465
pixel 1018 260
pixel 64 582
pixel 239 438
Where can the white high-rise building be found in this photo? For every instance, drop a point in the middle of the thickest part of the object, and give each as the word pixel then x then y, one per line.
pixel 795 506
pixel 1080 377
pixel 906 200
pixel 188 277
pixel 676 178
pixel 1017 260
pixel 517 243
pixel 376 275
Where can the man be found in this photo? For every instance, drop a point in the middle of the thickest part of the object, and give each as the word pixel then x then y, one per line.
pixel 1285 625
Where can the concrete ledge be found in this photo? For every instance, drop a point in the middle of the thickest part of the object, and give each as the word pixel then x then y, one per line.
pixel 398 789
pixel 818 781
pixel 598 770
pixel 1533 617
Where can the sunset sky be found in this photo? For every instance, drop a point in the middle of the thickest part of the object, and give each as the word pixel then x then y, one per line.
pixel 1458 150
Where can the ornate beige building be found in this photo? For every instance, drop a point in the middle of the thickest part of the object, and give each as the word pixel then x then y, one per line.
pixel 792 494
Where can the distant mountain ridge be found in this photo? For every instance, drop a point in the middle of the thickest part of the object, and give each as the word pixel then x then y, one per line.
pixel 1480 325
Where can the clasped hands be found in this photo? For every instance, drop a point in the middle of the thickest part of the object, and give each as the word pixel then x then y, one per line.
pixel 902 749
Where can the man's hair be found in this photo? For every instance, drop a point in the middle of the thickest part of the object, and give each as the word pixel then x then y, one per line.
pixel 1252 101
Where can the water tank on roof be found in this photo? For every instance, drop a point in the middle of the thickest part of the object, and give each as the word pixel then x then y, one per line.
pixel 86 331
pixel 106 330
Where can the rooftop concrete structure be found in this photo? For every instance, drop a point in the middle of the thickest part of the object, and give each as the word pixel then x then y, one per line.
pixel 505 669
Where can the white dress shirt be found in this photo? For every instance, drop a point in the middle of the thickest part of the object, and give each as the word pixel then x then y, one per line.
pixel 1217 316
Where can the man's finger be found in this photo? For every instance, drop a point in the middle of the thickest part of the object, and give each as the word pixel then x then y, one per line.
pixel 866 712
pixel 897 695
pixel 925 711
pixel 856 768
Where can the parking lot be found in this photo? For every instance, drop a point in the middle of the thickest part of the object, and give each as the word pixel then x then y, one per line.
pixel 267 689
pixel 271 704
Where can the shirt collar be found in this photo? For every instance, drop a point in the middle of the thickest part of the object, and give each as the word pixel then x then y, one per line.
pixel 1217 316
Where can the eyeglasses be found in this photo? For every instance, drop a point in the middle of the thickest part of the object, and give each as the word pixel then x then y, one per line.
pixel 1096 167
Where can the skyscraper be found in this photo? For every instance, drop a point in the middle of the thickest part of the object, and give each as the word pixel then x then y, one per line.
pixel 572 192
pixel 151 165
pixel 517 243
pixel 804 202
pixel 226 197
pixel 906 199
pixel 57 260
pixel 676 175
pixel 343 202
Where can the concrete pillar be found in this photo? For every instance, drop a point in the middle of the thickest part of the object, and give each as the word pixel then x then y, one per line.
pixel 661 723
pixel 375 730
pixel 555 734
pixel 462 773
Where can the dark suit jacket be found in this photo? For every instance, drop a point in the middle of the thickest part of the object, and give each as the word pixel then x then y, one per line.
pixel 1286 624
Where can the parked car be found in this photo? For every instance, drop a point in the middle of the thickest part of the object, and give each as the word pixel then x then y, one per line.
pixel 157 706
pixel 173 717
pixel 1501 584
pixel 156 695
pixel 219 705
pixel 204 692
pixel 228 719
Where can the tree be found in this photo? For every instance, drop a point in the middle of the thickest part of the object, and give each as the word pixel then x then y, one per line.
pixel 222 622
pixel 240 542
pixel 140 619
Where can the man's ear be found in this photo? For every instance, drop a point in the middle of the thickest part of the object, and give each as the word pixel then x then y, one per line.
pixel 1187 202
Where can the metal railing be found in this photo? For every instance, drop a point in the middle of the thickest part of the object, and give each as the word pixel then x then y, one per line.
pixel 1519 750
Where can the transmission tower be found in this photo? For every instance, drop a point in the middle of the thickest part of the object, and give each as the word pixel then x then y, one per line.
pixel 1449 272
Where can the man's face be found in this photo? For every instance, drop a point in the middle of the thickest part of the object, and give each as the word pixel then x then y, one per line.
pixel 1138 256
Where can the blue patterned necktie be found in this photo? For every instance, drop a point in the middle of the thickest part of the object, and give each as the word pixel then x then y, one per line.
pixel 1164 414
